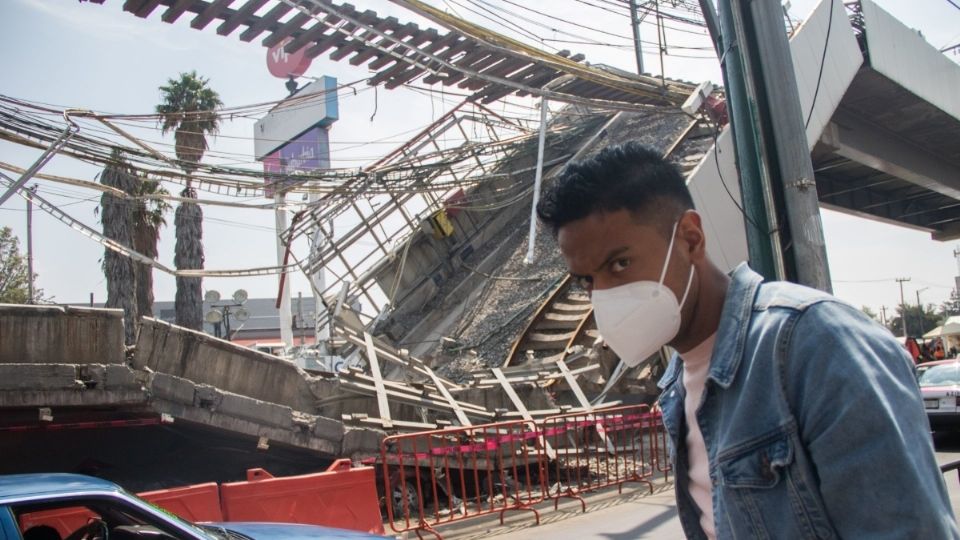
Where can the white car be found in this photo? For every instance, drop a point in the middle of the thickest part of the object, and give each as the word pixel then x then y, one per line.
pixel 940 386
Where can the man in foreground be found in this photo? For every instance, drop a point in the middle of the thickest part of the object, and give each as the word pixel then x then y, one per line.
pixel 790 413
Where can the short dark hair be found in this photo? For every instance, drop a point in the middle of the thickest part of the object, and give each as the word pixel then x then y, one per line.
pixel 629 177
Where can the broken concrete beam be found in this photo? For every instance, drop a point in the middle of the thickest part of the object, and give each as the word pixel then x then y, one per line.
pixel 221 420
pixel 171 388
pixel 358 441
pixel 120 377
pixel 206 396
pixel 38 377
pixel 203 359
pixel 60 335
pixel 328 428
pixel 259 411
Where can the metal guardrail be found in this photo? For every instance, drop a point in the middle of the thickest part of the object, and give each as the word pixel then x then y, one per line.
pixel 601 449
pixel 951 466
pixel 438 477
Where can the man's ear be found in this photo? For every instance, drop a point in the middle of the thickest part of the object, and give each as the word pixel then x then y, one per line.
pixel 691 230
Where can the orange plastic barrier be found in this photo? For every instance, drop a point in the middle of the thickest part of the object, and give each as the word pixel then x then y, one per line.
pixel 342 496
pixel 64 520
pixel 200 502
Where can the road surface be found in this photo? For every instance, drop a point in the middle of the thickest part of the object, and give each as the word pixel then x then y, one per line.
pixel 641 516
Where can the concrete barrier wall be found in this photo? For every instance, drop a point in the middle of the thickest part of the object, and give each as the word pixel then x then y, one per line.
pixel 204 359
pixel 60 335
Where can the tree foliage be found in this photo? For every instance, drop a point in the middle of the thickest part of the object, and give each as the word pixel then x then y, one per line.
pixel 116 215
pixel 148 219
pixel 920 320
pixel 190 109
pixel 134 222
pixel 14 275
pixel 952 306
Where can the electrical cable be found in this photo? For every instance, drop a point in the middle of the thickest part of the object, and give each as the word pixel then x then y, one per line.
pixel 823 61
pixel 112 245
pixel 716 160
pixel 434 63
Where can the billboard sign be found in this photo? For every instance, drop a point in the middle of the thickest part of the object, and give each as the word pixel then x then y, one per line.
pixel 308 152
pixel 315 105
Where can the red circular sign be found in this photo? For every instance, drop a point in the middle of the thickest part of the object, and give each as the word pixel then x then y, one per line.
pixel 283 64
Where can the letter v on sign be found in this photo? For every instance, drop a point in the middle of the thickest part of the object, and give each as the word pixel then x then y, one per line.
pixel 283 64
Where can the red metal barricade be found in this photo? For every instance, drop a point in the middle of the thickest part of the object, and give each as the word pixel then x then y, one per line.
pixel 434 478
pixel 662 459
pixel 343 496
pixel 600 449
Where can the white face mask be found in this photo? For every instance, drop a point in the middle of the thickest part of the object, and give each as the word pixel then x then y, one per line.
pixel 638 318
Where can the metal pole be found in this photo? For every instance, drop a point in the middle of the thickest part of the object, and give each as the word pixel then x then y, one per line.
pixel 920 315
pixel 760 219
pixel 300 324
pixel 903 306
pixel 285 313
pixel 660 39
pixel 47 154
pixel 710 18
pixel 781 115
pixel 635 23
pixel 536 183
pixel 31 298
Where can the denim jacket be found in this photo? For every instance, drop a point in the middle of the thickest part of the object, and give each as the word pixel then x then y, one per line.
pixel 813 423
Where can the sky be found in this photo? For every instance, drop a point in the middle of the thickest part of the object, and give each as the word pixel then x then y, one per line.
pixel 72 54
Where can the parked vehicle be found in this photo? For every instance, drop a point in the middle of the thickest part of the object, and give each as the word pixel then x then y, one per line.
pixel 940 386
pixel 77 507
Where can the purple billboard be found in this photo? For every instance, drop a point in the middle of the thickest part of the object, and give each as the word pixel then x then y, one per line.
pixel 308 152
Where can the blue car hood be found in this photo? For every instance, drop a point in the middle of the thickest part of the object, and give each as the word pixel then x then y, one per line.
pixel 289 531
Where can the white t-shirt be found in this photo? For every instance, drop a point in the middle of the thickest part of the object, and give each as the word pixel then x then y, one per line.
pixel 696 364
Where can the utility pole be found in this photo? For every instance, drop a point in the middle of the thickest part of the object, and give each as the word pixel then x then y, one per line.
pixel 300 324
pixel 769 132
pixel 32 190
pixel 286 314
pixel 920 313
pixel 763 245
pixel 635 23
pixel 883 315
pixel 789 136
pixel 956 279
pixel 903 306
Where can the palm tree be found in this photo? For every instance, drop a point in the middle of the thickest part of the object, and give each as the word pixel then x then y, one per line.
pixel 117 219
pixel 148 218
pixel 189 108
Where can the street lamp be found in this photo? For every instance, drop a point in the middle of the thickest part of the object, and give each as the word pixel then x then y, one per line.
pixel 220 313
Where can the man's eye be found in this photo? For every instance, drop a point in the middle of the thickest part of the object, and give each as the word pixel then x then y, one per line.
pixel 619 265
